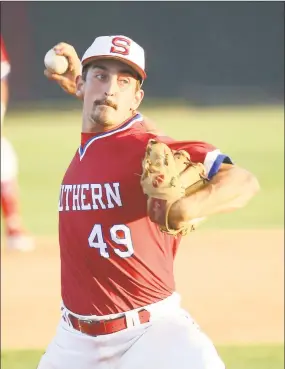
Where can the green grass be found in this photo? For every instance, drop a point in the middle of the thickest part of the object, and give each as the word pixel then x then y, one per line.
pixel 235 357
pixel 254 138
pixel 253 357
pixel 20 359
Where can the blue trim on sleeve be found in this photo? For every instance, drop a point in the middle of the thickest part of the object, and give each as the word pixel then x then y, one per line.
pixel 217 163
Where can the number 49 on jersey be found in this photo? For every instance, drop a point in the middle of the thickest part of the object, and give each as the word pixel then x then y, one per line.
pixel 96 240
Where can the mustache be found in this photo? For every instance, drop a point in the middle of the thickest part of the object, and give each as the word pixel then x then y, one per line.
pixel 106 102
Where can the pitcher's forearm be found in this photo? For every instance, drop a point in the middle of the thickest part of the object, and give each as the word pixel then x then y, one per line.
pixel 230 189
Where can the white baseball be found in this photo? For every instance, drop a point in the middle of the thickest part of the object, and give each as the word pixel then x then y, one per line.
pixel 55 63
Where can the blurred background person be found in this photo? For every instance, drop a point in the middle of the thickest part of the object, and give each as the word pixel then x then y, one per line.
pixel 16 236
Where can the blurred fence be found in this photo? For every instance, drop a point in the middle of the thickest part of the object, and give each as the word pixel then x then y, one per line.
pixel 203 52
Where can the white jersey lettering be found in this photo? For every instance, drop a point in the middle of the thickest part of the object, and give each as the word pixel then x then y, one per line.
pixel 88 196
pixel 115 196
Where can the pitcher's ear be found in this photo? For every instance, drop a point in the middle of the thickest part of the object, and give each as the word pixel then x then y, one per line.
pixel 139 95
pixel 80 83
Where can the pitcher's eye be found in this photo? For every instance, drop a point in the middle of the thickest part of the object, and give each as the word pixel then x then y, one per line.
pixel 100 76
pixel 124 81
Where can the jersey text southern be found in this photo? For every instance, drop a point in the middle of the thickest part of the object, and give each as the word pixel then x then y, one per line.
pixel 89 196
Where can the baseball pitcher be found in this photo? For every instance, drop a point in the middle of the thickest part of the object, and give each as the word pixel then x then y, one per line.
pixel 126 200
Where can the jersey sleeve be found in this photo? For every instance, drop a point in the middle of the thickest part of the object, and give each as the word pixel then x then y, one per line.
pixel 201 152
pixel 5 63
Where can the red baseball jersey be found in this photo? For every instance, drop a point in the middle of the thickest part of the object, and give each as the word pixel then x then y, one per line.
pixel 113 258
pixel 5 63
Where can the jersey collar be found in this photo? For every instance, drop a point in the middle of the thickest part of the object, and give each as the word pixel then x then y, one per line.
pixel 88 138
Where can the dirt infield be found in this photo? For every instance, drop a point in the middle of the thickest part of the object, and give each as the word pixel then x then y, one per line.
pixel 231 282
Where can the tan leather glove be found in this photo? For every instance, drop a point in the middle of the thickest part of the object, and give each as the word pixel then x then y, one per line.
pixel 167 176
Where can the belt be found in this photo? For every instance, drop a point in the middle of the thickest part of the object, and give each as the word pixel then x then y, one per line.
pixel 101 327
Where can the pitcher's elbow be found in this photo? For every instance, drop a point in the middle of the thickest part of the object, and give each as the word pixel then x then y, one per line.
pixel 251 188
pixel 254 185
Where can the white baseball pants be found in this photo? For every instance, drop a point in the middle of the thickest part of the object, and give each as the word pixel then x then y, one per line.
pixel 171 340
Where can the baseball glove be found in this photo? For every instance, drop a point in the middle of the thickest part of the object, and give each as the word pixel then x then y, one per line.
pixel 168 176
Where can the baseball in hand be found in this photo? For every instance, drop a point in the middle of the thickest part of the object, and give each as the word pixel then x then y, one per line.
pixel 55 63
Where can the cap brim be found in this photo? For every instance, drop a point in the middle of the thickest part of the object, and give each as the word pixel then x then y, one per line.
pixel 140 71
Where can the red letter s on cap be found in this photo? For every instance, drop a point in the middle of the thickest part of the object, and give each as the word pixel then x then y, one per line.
pixel 121 46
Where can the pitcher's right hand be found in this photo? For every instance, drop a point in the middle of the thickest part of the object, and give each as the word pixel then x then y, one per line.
pixel 66 81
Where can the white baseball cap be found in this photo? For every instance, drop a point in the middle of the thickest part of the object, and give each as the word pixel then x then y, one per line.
pixel 117 47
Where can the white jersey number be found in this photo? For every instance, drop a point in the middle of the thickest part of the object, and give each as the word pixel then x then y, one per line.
pixel 120 234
